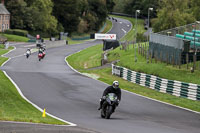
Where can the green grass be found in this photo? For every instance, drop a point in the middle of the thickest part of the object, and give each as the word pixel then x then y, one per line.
pixel 131 34
pixel 106 76
pixel 71 42
pixel 87 59
pixel 127 59
pixel 108 26
pixel 75 35
pixel 15 38
pixel 13 107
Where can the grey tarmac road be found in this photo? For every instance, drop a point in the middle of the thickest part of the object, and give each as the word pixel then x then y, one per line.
pixel 53 85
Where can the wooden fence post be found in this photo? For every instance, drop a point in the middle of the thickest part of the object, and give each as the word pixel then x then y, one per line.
pixel 179 61
pixel 187 60
pixel 194 62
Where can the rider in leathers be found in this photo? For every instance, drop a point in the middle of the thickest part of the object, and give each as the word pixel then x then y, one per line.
pixel 111 89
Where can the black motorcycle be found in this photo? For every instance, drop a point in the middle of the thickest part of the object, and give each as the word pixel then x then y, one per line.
pixel 109 105
pixel 27 55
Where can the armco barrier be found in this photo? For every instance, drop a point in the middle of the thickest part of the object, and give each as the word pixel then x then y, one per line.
pixel 52 44
pixel 177 88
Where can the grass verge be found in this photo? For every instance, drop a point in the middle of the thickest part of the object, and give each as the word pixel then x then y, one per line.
pixel 127 59
pixel 13 107
pixel 15 38
pixel 106 76
pixel 108 26
pixel 70 41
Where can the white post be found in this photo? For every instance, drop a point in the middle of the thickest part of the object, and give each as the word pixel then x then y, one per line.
pixel 137 11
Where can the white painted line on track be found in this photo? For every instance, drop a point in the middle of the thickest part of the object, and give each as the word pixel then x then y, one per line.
pixel 129 91
pixel 5 62
pixel 37 107
pixel 29 46
pixel 128 25
pixel 129 29
pixel 124 31
pixel 120 22
pixel 9 51
pixel 29 123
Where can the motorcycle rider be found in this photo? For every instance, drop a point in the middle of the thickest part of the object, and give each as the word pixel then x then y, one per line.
pixel 114 88
pixel 28 52
pixel 40 50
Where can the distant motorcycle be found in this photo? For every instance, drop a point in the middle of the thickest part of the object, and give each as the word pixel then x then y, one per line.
pixel 28 53
pixel 41 55
pixel 109 105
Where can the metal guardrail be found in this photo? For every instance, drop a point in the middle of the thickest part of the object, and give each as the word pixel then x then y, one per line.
pixel 126 15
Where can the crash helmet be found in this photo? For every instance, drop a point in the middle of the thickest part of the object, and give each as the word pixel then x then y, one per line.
pixel 28 49
pixel 115 84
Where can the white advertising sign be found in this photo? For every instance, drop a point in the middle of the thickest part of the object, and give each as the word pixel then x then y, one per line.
pixel 106 36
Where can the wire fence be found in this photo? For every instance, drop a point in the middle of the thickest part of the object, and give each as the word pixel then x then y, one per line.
pixel 180 30
pixel 164 54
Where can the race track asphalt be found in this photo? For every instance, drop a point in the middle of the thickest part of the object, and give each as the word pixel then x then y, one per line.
pixel 53 85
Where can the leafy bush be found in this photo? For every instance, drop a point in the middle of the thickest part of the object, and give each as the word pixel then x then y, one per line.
pixel 17 32
pixel 141 37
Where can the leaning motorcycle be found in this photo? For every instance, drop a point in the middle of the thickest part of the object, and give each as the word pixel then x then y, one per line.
pixel 109 105
pixel 40 56
pixel 27 55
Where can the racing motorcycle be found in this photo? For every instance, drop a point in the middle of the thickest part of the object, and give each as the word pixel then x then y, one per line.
pixel 109 105
pixel 27 55
pixel 41 55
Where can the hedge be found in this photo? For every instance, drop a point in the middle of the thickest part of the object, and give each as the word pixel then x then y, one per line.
pixel 16 32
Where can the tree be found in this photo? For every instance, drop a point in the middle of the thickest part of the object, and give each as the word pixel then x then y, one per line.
pixel 97 14
pixel 41 16
pixel 34 16
pixel 110 5
pixel 173 13
pixel 195 4
pixel 18 10
pixel 67 12
pixel 143 5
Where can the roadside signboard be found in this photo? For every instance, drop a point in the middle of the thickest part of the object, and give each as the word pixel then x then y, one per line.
pixel 105 36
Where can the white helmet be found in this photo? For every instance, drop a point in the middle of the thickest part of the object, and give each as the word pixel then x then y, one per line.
pixel 115 84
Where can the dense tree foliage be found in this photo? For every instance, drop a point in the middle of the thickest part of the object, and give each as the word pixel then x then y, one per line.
pixel 17 7
pixel 142 5
pixel 110 5
pixel 33 15
pixel 195 4
pixel 53 16
pixel 81 15
pixel 67 13
pixel 130 6
pixel 167 13
pixel 173 13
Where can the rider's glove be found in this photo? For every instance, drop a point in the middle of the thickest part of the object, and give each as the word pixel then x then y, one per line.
pixel 117 102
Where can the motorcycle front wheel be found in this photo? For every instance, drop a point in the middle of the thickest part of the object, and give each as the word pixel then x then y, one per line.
pixel 108 112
